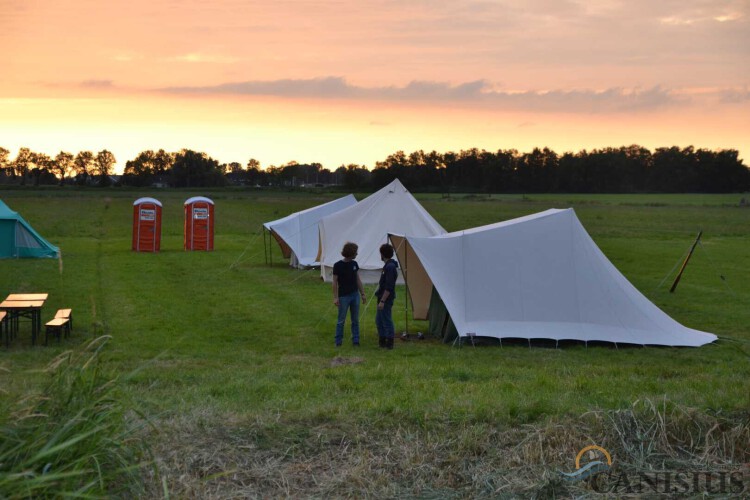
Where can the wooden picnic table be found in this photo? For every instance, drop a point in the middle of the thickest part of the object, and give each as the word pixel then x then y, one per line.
pixel 27 296
pixel 4 327
pixel 31 309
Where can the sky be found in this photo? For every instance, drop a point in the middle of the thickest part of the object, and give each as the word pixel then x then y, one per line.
pixel 351 82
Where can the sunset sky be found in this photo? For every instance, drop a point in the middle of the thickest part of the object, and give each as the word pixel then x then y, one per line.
pixel 340 82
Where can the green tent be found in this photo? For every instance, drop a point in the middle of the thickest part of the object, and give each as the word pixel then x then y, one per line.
pixel 18 239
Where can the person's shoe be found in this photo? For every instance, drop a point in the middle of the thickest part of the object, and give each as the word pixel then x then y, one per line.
pixel 381 342
pixel 389 343
pixel 355 344
pixel 338 345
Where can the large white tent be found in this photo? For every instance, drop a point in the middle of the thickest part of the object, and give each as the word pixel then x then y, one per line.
pixel 297 234
pixel 535 277
pixel 390 210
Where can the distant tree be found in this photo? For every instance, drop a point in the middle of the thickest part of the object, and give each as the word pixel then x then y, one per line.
pixel 63 165
pixel 147 167
pixel 673 170
pixel 162 162
pixel 104 163
pixel 5 169
pixel 193 169
pixel 21 164
pixel 234 173
pixel 721 172
pixel 356 177
pixel 140 170
pixel 42 169
pixel 253 174
pixel 387 170
pixel 84 164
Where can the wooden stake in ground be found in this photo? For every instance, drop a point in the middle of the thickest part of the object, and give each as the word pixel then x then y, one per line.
pixel 684 264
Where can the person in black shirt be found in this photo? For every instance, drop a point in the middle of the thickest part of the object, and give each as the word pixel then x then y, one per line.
pixel 386 294
pixel 347 290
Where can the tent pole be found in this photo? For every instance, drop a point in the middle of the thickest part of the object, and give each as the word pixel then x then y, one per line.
pixel 684 264
pixel 265 250
pixel 406 286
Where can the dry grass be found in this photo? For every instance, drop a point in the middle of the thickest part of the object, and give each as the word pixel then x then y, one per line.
pixel 200 458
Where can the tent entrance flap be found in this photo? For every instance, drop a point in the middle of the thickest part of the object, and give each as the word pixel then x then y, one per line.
pixel 441 324
pixel 286 250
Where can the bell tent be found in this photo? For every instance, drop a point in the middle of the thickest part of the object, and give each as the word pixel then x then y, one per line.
pixel 18 239
pixel 535 277
pixel 297 234
pixel 390 210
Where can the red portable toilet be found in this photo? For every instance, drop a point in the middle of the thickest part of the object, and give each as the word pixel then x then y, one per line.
pixel 199 223
pixel 146 225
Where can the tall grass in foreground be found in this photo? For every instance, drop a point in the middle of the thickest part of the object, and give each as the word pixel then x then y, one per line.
pixel 74 438
pixel 209 456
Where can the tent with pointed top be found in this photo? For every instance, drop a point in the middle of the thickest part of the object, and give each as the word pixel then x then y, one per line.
pixel 18 239
pixel 297 233
pixel 392 209
pixel 535 277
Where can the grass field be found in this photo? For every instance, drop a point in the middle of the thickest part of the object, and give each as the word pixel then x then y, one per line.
pixel 233 362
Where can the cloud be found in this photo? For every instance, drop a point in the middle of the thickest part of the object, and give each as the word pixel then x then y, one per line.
pixel 97 84
pixel 735 95
pixel 479 92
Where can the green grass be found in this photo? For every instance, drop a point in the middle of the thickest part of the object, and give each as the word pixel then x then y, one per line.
pixel 75 437
pixel 224 341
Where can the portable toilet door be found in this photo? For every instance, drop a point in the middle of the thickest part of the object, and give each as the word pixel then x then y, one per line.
pixel 199 223
pixel 146 225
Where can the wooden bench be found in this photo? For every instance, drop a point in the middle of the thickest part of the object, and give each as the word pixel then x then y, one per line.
pixel 56 326
pixel 67 314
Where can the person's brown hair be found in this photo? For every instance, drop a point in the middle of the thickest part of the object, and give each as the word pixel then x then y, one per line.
pixel 350 250
pixel 386 251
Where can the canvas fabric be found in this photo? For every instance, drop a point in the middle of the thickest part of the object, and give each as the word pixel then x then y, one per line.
pixel 19 240
pixel 297 233
pixel 392 209
pixel 536 277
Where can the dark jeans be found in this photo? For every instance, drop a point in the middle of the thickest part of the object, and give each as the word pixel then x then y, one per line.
pixel 347 302
pixel 384 321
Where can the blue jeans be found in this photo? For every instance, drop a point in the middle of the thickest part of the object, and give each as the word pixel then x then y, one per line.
pixel 347 302
pixel 384 321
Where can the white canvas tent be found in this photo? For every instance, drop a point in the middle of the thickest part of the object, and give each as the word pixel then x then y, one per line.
pixel 535 277
pixel 390 210
pixel 297 234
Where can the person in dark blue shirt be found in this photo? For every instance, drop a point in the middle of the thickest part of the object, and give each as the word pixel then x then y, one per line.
pixel 386 294
pixel 347 290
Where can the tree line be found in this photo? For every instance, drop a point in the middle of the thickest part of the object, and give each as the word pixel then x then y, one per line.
pixel 628 169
